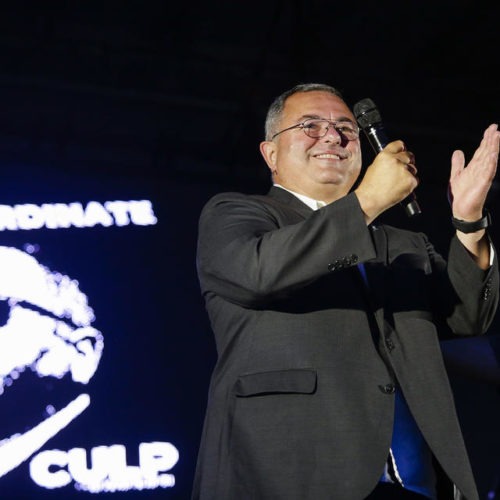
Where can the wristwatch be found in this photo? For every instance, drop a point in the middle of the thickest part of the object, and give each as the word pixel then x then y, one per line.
pixel 472 227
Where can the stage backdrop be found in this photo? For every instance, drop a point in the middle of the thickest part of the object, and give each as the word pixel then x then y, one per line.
pixel 105 346
pixel 105 350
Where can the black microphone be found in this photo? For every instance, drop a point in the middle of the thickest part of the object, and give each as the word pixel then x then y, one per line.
pixel 370 121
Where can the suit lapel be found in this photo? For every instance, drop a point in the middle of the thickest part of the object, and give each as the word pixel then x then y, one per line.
pixel 376 270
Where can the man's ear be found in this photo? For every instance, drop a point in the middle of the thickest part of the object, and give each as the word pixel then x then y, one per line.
pixel 269 152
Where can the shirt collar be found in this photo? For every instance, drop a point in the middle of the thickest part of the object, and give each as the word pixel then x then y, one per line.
pixel 310 202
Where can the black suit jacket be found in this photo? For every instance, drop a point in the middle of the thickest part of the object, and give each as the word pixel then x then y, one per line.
pixel 301 400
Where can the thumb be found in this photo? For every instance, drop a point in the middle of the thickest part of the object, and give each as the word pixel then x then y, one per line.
pixel 457 163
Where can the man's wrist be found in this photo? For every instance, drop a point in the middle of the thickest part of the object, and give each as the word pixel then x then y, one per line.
pixel 471 227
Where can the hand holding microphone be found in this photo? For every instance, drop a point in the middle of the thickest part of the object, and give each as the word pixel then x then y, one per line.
pixel 385 182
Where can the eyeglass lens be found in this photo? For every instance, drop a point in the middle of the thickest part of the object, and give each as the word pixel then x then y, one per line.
pixel 318 128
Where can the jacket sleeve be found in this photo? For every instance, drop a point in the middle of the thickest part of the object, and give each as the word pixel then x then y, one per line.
pixel 248 254
pixel 476 289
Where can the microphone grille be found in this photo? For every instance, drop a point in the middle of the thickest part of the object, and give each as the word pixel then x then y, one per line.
pixel 366 113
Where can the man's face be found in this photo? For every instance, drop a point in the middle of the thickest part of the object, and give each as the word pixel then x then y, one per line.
pixel 325 168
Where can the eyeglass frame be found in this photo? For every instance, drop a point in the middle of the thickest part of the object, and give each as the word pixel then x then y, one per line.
pixel 330 122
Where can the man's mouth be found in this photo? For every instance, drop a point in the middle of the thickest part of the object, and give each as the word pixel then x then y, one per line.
pixel 328 156
pixel 331 156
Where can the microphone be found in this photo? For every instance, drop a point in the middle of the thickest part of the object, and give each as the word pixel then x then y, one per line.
pixel 370 121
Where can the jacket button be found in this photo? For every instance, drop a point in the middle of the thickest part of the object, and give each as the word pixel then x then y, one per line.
pixel 388 388
pixel 335 265
pixel 389 344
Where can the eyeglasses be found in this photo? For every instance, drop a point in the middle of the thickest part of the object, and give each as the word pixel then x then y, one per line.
pixel 318 127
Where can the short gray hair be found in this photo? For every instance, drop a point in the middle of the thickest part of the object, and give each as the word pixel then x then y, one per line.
pixel 275 111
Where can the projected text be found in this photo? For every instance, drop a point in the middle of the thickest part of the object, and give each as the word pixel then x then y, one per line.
pixel 65 215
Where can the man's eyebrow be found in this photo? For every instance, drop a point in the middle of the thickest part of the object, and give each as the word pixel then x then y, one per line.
pixel 318 117
pixel 306 117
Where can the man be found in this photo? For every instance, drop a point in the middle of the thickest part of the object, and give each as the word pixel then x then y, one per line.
pixel 327 326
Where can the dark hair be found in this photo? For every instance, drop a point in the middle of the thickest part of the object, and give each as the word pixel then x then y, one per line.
pixel 276 108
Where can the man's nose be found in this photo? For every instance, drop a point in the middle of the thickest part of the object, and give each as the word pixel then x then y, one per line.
pixel 332 135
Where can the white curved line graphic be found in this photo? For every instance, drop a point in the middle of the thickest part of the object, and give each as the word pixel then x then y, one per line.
pixel 18 448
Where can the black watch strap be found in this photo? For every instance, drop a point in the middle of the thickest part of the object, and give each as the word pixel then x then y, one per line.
pixel 472 227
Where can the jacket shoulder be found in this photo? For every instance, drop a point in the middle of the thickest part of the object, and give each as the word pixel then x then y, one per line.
pixel 284 205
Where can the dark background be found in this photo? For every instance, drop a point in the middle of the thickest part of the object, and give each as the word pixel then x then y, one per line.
pixel 166 101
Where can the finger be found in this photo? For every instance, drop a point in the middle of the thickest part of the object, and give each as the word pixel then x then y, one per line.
pixel 493 141
pixel 488 147
pixel 492 135
pixel 412 169
pixel 406 158
pixel 395 147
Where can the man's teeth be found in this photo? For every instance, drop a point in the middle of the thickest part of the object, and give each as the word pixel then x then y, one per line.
pixel 329 155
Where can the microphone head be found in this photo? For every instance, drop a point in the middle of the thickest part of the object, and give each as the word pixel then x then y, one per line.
pixel 367 113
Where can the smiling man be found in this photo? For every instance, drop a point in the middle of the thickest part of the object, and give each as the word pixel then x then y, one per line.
pixel 312 155
pixel 330 384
